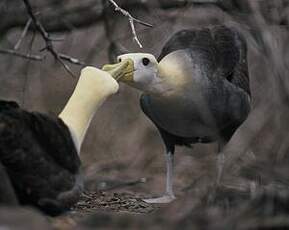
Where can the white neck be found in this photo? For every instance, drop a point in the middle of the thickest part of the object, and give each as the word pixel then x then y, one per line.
pixel 93 87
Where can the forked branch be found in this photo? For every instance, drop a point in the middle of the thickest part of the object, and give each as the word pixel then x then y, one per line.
pixel 49 42
pixel 131 20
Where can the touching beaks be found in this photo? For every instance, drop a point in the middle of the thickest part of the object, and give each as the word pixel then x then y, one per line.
pixel 122 71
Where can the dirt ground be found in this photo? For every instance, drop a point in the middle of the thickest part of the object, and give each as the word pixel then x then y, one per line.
pixel 112 202
pixel 99 202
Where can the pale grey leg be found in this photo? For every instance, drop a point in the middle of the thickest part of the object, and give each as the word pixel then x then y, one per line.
pixel 220 162
pixel 170 173
pixel 169 194
pixel 220 166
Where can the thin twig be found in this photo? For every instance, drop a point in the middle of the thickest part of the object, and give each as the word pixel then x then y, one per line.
pixel 23 34
pixel 71 59
pixel 22 55
pixel 27 67
pixel 49 46
pixel 48 41
pixel 131 20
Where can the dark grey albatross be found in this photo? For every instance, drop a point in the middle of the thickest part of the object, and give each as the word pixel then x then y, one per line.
pixel 196 92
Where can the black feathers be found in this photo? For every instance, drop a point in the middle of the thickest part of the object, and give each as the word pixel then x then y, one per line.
pixel 40 158
pixel 7 194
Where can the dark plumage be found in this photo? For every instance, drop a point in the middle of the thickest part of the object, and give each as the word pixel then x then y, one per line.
pixel 40 158
pixel 8 196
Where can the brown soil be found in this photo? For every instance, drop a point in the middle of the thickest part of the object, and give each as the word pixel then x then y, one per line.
pixel 111 201
pixel 99 202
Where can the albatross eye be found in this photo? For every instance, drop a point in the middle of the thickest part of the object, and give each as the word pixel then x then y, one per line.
pixel 145 61
pixel 119 60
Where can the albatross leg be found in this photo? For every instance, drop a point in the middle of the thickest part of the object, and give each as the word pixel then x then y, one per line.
pixel 220 162
pixel 220 166
pixel 169 194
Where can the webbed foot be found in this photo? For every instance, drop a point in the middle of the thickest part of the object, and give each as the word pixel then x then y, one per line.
pixel 160 200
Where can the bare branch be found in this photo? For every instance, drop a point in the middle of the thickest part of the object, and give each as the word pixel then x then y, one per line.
pixel 71 59
pixel 131 21
pixel 54 15
pixel 23 34
pixel 22 55
pixel 48 41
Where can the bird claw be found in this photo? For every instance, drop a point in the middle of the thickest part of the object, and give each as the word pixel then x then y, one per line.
pixel 160 200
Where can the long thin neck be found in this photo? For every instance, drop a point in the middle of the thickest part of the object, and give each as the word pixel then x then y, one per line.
pixel 81 107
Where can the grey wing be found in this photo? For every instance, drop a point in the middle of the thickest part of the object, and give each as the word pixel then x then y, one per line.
pixel 221 49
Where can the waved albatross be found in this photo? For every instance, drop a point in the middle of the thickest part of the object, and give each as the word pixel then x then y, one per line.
pixel 196 92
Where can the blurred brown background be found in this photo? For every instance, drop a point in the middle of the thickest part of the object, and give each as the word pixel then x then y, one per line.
pixel 122 144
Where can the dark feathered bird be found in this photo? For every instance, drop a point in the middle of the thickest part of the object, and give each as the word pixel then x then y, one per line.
pixel 40 152
pixel 40 158
pixel 197 92
pixel 8 196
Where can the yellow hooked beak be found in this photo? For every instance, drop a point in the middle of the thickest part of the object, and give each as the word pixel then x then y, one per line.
pixel 122 71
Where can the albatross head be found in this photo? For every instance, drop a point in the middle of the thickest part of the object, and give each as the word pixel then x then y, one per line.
pixel 142 72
